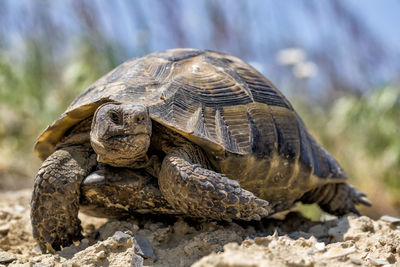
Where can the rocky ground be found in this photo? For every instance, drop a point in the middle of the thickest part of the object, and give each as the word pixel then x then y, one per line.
pixel 296 241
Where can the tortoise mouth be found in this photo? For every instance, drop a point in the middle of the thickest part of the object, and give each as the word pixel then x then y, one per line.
pixel 125 136
pixel 118 136
pixel 121 150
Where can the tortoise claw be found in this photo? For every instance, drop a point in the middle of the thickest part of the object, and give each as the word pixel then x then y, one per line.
pixel 363 200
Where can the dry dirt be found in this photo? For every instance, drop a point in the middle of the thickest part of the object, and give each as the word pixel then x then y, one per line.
pixel 296 241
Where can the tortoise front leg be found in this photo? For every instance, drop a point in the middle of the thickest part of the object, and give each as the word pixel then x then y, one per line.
pixel 55 199
pixel 200 192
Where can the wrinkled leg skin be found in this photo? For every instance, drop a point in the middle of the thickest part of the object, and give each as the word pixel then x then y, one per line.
pixel 55 199
pixel 122 187
pixel 337 199
pixel 203 193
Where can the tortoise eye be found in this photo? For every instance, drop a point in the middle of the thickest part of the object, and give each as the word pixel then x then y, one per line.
pixel 115 118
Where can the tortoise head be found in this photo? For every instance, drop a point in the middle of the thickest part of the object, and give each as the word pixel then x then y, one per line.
pixel 120 133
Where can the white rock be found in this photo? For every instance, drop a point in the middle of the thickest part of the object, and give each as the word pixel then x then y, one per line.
pixel 377 261
pixel 320 246
pixel 339 252
pixel 390 219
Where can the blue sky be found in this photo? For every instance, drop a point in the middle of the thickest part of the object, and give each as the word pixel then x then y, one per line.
pixel 383 18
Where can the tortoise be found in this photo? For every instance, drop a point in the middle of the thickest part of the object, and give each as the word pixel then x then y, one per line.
pixel 190 132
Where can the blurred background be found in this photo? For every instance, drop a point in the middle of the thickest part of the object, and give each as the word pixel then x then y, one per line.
pixel 338 62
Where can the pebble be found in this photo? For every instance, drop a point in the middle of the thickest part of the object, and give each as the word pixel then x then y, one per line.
pixel 339 252
pixel 355 261
pixel 320 246
pixel 143 248
pixel 377 261
pixel 137 261
pixel 37 250
pixel 390 219
pixel 121 237
pixel 6 258
pixel 39 264
pixel 101 254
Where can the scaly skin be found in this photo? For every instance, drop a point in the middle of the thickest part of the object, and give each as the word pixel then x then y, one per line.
pixel 337 199
pixel 55 199
pixel 118 192
pixel 201 192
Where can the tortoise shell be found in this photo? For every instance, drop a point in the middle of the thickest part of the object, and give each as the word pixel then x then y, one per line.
pixel 218 102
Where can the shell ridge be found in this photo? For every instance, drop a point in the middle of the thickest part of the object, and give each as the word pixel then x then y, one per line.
pixel 262 89
pixel 273 166
pixel 224 134
pixel 232 74
pixel 303 157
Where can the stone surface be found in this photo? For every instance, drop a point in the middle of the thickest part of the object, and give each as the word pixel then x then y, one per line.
pixel 6 258
pixel 143 247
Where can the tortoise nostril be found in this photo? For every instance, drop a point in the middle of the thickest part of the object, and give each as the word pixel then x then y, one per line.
pixel 139 119
pixel 115 117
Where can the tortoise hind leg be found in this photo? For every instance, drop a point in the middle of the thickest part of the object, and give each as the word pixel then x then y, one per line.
pixel 190 186
pixel 55 199
pixel 337 199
